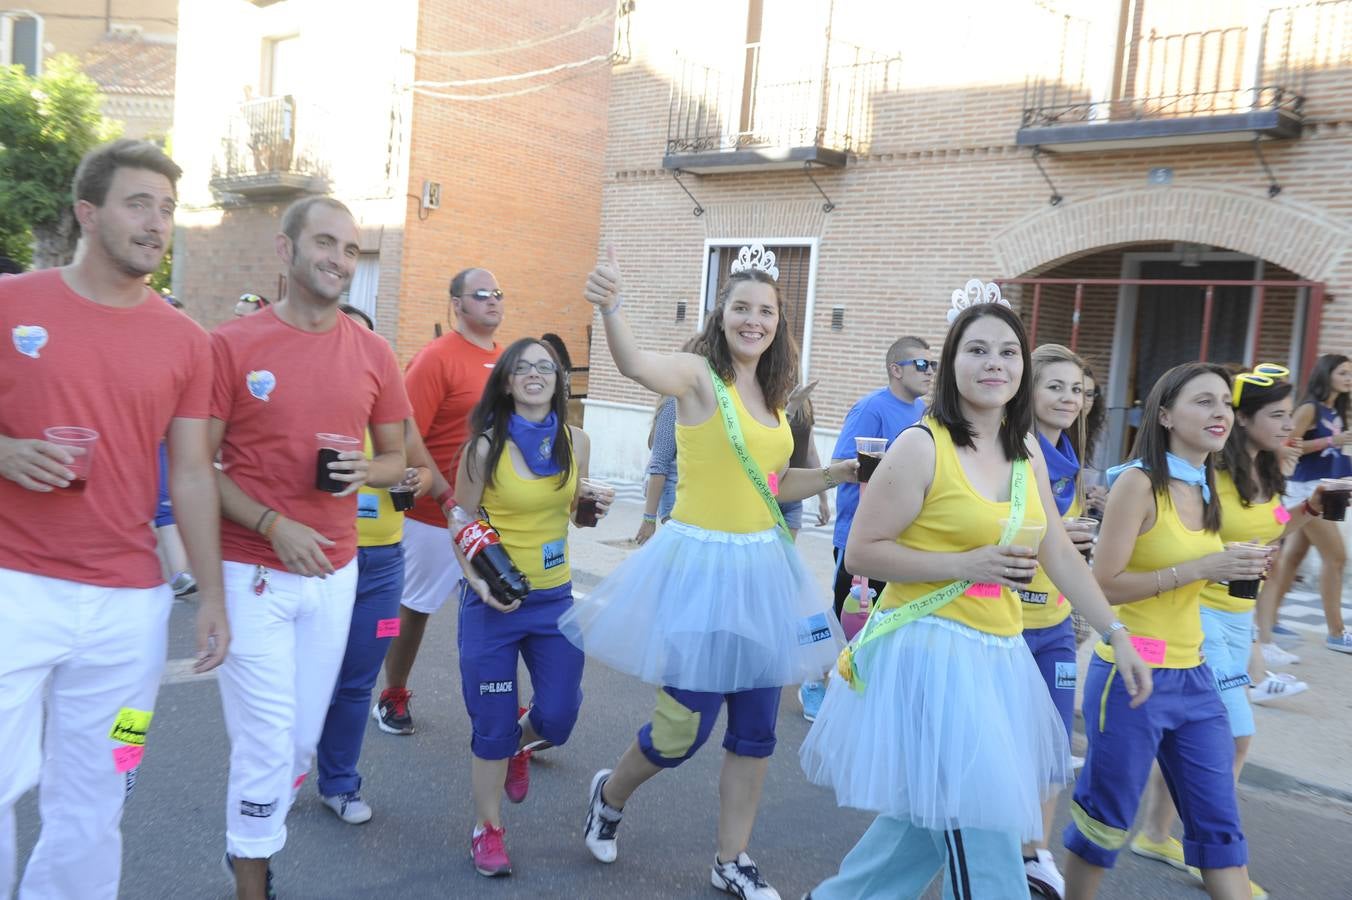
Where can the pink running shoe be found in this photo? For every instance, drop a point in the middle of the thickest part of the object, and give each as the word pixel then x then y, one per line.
pixel 517 784
pixel 489 853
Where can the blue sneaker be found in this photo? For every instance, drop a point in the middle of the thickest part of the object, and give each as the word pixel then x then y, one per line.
pixel 810 695
pixel 1340 644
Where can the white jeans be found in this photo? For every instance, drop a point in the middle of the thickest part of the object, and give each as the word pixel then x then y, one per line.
pixel 286 645
pixel 89 657
pixel 431 570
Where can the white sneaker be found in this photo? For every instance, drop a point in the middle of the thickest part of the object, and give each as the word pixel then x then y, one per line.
pixel 1277 687
pixel 1044 877
pixel 349 807
pixel 602 822
pixel 741 878
pixel 1276 656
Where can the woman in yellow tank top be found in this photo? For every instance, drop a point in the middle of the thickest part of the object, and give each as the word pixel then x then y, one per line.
pixel 954 739
pixel 717 608
pixel 522 466
pixel 1159 546
pixel 1249 486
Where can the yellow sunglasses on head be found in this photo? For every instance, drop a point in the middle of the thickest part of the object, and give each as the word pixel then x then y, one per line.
pixel 1263 375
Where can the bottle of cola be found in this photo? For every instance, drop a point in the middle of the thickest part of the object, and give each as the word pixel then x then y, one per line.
pixel 481 545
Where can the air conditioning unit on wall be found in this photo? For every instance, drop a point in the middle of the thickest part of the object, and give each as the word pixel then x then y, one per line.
pixel 431 195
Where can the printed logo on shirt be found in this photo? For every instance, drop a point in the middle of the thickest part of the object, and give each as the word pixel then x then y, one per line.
pixel 553 553
pixel 1036 597
pixel 1233 681
pixel 261 383
pixel 1065 676
pixel 368 506
pixel 496 687
pixel 812 629
pixel 29 339
pixel 257 810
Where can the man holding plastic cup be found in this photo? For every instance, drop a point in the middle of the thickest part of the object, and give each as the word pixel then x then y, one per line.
pixel 296 385
pixel 97 371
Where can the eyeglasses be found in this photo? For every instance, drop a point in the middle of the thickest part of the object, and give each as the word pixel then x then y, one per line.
pixel 921 365
pixel 1263 375
pixel 483 295
pixel 525 366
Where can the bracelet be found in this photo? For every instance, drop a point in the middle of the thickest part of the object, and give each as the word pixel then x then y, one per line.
pixel 1113 629
pixel 258 526
pixel 1174 570
pixel 650 517
pixel 272 526
pixel 1159 586
pixel 614 308
pixel 826 476
pixel 1309 509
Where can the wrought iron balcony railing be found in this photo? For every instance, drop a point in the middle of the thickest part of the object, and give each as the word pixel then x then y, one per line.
pixel 771 99
pixel 264 150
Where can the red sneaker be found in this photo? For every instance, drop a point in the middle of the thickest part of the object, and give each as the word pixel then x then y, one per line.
pixel 489 853
pixel 517 784
pixel 391 711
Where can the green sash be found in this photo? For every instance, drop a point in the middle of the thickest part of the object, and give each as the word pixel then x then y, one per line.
pixel 883 622
pixel 734 430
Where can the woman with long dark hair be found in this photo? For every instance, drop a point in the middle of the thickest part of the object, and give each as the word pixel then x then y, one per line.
pixel 1249 484
pixel 718 608
pixel 522 467
pixel 1159 547
pixel 1321 420
pixel 940 721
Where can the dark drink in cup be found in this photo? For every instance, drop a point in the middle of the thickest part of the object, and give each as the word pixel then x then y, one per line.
pixel 1336 494
pixel 868 464
pixel 402 498
pixel 1245 590
pixel 869 451
pixel 586 512
pixel 330 446
pixel 589 490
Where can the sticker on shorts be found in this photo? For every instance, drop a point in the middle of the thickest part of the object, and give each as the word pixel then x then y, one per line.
pixel 812 629
pixel 131 725
pixel 982 591
pixel 1233 681
pixel 1038 598
pixel 257 810
pixel 368 506
pixel 1065 676
pixel 1281 515
pixel 1151 649
pixel 387 628
pixel 127 758
pixel 496 687
pixel 553 554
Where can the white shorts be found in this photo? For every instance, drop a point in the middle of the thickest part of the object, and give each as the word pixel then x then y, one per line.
pixel 431 570
pixel 1298 491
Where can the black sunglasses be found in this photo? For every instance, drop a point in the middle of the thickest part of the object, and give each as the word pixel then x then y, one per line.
pixel 483 295
pixel 921 365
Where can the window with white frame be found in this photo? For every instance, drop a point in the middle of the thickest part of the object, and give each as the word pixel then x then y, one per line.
pixel 361 293
pixel 21 41
pixel 796 261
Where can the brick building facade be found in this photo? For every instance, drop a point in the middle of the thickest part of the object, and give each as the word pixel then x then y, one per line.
pixel 281 99
pixel 919 123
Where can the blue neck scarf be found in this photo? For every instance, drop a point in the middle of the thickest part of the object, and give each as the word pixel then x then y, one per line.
pixel 1062 468
pixel 1179 468
pixel 535 440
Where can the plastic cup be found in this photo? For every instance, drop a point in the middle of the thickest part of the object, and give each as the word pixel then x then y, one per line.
pixel 402 498
pixel 329 446
pixel 1083 525
pixel 1337 491
pixel 1247 589
pixel 73 437
pixel 1029 535
pixel 589 491
pixel 869 451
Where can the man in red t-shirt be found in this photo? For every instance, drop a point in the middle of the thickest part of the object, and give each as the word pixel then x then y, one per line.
pixel 288 380
pixel 84 610
pixel 445 380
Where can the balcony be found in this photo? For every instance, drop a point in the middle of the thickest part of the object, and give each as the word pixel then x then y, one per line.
pixel 767 108
pixel 264 153
pixel 1224 85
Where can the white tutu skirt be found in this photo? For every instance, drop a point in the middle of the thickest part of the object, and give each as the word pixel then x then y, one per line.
pixel 709 611
pixel 954 730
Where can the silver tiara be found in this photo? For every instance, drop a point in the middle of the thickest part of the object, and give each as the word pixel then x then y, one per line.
pixel 975 292
pixel 755 256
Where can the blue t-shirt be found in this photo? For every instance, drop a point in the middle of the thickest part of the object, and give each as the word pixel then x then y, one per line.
pixel 879 414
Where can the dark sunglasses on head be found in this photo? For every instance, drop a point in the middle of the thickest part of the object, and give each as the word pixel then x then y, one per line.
pixel 483 295
pixel 921 365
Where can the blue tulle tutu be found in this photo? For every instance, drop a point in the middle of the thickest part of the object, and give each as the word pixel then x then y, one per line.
pixel 955 730
pixel 709 611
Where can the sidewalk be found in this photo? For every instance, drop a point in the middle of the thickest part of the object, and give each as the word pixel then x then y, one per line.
pixel 1301 744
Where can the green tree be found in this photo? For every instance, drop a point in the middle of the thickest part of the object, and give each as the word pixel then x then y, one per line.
pixel 46 124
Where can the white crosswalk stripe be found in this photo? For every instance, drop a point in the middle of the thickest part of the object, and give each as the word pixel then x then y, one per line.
pixel 1303 611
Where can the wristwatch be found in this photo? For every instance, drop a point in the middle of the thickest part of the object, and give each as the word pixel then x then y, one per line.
pixel 1112 629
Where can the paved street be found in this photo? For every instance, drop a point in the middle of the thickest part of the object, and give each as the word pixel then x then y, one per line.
pixel 417 845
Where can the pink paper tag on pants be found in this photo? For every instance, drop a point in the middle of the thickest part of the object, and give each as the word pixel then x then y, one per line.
pixel 1151 649
pixel 984 591
pixel 127 758
pixel 387 628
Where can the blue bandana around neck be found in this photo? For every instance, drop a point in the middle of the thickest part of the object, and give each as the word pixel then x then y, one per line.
pixel 1179 468
pixel 535 440
pixel 1062 467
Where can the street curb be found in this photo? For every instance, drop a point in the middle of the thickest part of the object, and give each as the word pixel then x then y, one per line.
pixel 1258 776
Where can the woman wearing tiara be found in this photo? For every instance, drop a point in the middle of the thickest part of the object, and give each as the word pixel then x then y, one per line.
pixel 941 722
pixel 718 607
